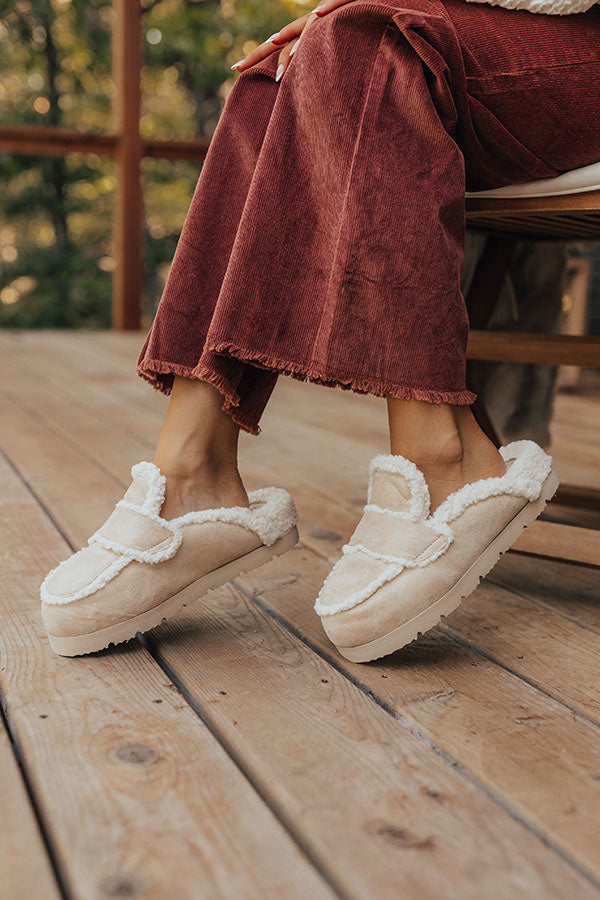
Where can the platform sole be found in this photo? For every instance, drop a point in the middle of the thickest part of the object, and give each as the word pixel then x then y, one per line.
pixel 404 634
pixel 79 645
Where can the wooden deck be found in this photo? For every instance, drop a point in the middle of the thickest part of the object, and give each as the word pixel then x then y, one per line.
pixel 232 753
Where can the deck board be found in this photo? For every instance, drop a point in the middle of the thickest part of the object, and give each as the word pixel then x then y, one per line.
pixel 26 868
pixel 500 723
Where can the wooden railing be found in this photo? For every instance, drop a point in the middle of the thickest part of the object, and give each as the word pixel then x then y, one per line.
pixel 128 149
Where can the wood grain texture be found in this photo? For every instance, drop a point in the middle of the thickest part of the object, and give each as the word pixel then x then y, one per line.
pixel 546 349
pixel 509 735
pixel 26 868
pixel 559 541
pixel 535 641
pixel 137 795
pixel 571 591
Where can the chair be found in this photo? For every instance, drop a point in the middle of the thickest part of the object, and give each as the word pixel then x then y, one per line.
pixel 563 208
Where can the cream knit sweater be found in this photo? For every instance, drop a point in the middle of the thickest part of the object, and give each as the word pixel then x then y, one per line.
pixel 553 7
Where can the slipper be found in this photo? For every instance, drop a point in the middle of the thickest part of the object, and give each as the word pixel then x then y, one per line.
pixel 139 568
pixel 403 569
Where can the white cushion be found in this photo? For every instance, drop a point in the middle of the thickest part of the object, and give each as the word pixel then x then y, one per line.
pixel 574 182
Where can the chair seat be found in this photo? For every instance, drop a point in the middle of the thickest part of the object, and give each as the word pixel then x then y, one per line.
pixel 576 181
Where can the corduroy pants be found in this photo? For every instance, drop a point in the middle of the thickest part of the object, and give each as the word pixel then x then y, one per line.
pixel 325 237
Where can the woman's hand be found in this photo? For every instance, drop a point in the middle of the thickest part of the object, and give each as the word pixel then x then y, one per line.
pixel 287 39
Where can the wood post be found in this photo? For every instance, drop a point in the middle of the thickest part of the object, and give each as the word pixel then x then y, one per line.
pixel 128 236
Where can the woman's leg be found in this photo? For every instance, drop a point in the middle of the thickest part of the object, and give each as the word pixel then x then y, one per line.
pixel 445 443
pixel 197 451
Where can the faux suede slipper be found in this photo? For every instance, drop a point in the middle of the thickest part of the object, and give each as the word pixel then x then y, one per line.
pixel 139 568
pixel 404 569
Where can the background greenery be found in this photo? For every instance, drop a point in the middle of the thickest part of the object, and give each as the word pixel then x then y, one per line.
pixel 55 69
pixel 56 214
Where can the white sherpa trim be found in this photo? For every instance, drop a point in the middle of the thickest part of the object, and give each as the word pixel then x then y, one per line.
pixel 152 556
pixel 398 465
pixel 395 513
pixel 325 609
pixel 405 561
pixel 271 515
pixel 396 564
pixel 523 478
pixel 157 485
pixel 102 579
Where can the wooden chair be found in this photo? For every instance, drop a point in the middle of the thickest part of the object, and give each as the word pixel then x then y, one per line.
pixel 562 208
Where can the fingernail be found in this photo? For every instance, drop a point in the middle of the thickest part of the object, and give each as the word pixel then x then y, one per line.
pixel 318 8
pixel 272 38
pixel 238 63
pixel 293 50
pixel 279 72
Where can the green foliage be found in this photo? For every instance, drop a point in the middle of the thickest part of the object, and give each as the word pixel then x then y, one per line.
pixel 55 69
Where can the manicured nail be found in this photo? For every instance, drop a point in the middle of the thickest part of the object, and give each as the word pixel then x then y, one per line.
pixel 319 8
pixel 293 50
pixel 238 63
pixel 269 40
pixel 279 72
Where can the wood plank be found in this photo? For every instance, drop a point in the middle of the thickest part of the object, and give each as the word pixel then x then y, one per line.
pixel 545 349
pixel 534 641
pixel 511 736
pixel 568 203
pixel 134 790
pixel 571 591
pixel 47 141
pixel 561 542
pixel 26 868
pixel 562 226
pixel 213 625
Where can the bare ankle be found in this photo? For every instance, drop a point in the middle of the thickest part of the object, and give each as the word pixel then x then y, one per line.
pixel 204 490
pixel 445 443
pixel 199 478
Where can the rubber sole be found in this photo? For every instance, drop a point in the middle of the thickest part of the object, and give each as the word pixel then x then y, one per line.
pixel 404 634
pixel 79 645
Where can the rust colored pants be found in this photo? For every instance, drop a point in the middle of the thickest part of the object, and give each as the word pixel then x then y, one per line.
pixel 325 237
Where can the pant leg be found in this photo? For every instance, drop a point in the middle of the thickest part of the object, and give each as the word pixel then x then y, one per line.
pixel 176 344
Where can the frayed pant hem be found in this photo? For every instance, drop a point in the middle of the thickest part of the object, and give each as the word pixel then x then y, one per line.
pixel 358 384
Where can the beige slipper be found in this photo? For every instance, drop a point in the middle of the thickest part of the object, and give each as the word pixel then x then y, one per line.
pixel 140 568
pixel 404 569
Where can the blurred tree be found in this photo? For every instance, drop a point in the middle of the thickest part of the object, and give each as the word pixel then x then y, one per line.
pixel 55 69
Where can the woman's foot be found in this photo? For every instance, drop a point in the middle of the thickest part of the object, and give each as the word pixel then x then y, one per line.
pixel 445 443
pixel 405 567
pixel 176 534
pixel 141 567
pixel 210 487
